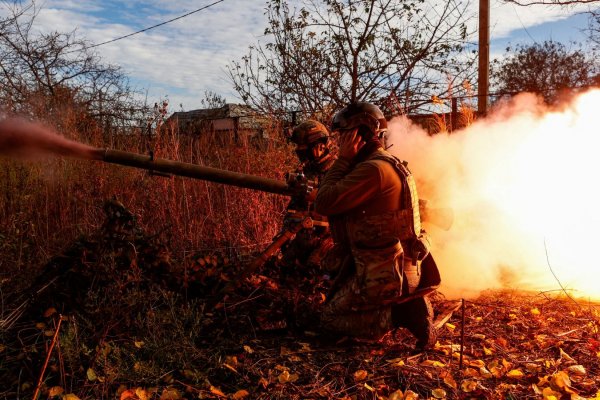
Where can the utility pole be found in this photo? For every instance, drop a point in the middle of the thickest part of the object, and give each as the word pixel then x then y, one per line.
pixel 483 90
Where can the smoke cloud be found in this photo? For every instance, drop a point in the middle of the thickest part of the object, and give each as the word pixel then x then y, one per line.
pixel 29 141
pixel 521 184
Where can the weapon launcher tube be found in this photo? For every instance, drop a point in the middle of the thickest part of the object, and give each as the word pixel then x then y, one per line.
pixel 194 171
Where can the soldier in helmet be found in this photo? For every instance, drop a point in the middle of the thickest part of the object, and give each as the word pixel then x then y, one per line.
pixel 313 148
pixel 385 268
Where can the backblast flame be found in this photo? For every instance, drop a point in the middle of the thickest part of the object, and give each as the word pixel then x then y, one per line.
pixel 522 184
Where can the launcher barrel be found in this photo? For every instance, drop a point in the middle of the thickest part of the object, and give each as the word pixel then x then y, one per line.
pixel 196 171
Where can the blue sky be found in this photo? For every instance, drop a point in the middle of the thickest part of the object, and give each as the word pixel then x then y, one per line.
pixel 185 58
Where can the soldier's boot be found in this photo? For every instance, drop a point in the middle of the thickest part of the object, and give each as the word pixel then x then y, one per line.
pixel 417 316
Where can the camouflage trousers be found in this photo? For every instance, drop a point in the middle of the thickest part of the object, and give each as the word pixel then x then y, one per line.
pixel 367 303
pixel 358 307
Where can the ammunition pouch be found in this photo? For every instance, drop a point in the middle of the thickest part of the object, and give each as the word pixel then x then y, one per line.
pixel 379 271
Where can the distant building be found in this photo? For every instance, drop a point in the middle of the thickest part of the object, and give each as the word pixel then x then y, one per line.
pixel 232 121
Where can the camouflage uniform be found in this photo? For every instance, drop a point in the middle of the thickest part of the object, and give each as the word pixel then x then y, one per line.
pixel 309 246
pixel 380 249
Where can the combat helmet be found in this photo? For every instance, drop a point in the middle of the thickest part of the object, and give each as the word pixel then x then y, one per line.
pixel 360 114
pixel 309 132
pixel 312 146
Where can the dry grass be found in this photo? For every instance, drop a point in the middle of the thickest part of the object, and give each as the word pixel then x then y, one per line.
pixel 45 205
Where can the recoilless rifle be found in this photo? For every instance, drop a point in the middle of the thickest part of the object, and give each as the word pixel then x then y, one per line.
pixel 295 185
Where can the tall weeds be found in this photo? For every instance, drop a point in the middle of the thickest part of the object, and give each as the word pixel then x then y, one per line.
pixel 46 204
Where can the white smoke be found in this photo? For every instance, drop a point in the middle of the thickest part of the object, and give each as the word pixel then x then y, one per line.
pixel 521 184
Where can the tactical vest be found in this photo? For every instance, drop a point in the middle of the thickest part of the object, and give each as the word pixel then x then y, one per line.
pixel 382 244
pixel 403 223
pixel 408 216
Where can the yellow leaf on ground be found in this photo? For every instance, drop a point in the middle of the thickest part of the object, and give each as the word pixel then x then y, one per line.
pixel 172 394
pixel 468 385
pixel 410 395
pixel 438 393
pixel 449 380
pixel 397 395
pixel 240 394
pixel 138 344
pixel 577 370
pixel 549 394
pixel 561 380
pixel 70 396
pixel 369 387
pixel 360 375
pixel 565 355
pixel 485 373
pixel 535 311
pixel 248 349
pixel 477 363
pixel 55 391
pixel 433 363
pixel 91 375
pixel 286 377
pixel 487 352
pixel 216 391
pixel 450 326
pixel 142 394
pixel 515 373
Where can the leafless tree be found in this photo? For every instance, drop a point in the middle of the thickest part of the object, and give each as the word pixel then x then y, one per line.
pixel 47 72
pixel 328 53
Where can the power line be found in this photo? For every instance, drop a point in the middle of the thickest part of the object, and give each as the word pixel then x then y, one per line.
pixel 151 27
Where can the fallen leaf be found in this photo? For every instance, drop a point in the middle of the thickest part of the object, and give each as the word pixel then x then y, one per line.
pixel 577 370
pixel 91 375
pixel 216 391
pixel 49 312
pixel 142 394
pixel 248 349
pixel 561 380
pixel 485 373
pixel 360 375
pixel 438 393
pixel 449 380
pixel 397 395
pixel 240 394
pixel 70 396
pixel 286 377
pixel 433 363
pixel 55 391
pixel 549 394
pixel 410 395
pixel 565 355
pixel 534 311
pixel 468 385
pixel 476 363
pixel 139 344
pixel 515 373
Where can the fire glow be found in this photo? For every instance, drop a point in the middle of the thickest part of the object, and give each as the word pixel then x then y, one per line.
pixel 523 187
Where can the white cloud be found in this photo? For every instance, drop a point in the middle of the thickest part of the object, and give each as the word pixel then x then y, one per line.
pixel 189 56
pixel 505 17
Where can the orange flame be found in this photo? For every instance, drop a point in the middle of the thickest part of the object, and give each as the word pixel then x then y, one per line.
pixel 522 184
